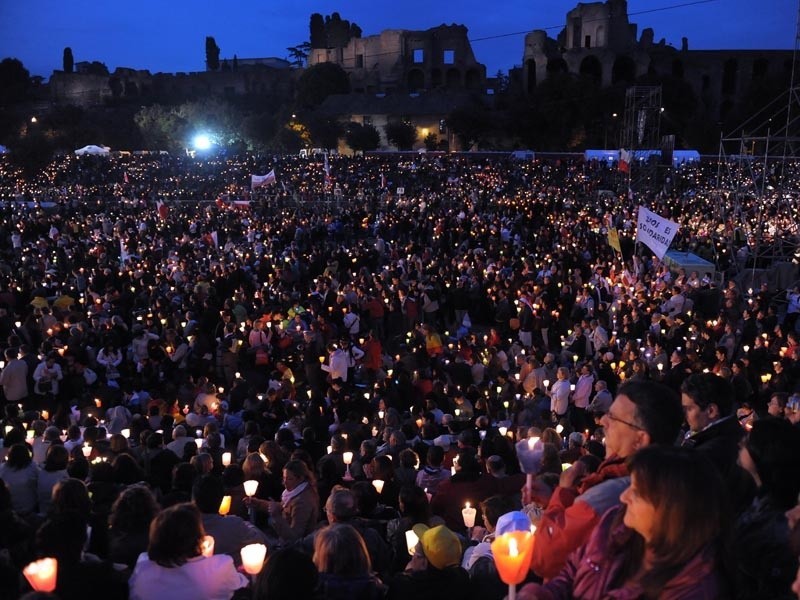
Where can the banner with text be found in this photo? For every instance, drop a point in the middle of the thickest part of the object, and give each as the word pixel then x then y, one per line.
pixel 655 231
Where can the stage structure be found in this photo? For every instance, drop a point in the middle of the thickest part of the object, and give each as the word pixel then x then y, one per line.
pixel 641 125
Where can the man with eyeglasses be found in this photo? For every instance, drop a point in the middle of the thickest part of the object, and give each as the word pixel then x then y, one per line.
pixel 643 413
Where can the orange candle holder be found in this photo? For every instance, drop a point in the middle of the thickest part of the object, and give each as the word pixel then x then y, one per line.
pixel 512 554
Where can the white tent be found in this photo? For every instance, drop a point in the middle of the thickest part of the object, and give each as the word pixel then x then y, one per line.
pixel 92 149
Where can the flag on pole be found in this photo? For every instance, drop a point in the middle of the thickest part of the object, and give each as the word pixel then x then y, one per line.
pixel 654 231
pixel 613 239
pixel 125 177
pixel 383 180
pixel 162 209
pixel 327 169
pixel 624 161
pixel 260 180
pixel 215 237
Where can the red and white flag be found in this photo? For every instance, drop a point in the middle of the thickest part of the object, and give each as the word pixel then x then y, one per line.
pixel 163 209
pixel 625 161
pixel 125 177
pixel 259 180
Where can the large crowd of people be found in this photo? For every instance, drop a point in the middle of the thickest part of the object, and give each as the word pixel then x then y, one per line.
pixel 375 366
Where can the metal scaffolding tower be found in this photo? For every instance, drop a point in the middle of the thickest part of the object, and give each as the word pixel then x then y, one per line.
pixel 753 176
pixel 640 134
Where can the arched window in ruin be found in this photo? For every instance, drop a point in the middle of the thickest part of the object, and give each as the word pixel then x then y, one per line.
pixel 436 78
pixel 591 69
pixel 416 80
pixel 473 79
pixel 530 73
pixel 453 78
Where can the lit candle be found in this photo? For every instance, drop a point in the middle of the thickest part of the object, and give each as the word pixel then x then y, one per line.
pixel 207 546
pixel 565 466
pixel 45 415
pixel 226 459
pixel 468 513
pixel 198 442
pixel 380 414
pixel 41 574
pixel 329 449
pixel 378 484
pixel 502 431
pixel 87 450
pixel 253 558
pixel 411 541
pixel 347 457
pixel 250 487
pixel 512 553
pixel 225 505
pixel 126 433
pixel 29 434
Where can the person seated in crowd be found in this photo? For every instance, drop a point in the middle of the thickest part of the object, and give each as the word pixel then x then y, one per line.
pixel 174 565
pixel 643 413
pixel 230 532
pixel 295 516
pixel 660 543
pixel 435 570
pixel 344 566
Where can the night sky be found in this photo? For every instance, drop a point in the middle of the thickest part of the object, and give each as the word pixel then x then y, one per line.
pixel 169 35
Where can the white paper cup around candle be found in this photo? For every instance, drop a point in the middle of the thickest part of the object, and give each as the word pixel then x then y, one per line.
pixel 29 434
pixel 126 433
pixel 87 450
pixel 198 442
pixel 207 546
pixel 468 513
pixel 411 541
pixel 253 558
pixel 378 484
pixel 347 457
pixel 250 487
pixel 226 459
pixel 502 431
pixel 329 449
pixel 41 574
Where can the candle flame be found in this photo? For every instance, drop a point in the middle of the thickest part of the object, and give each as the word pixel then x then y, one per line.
pixel 513 549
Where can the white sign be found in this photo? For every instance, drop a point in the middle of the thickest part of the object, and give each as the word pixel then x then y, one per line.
pixel 401 191
pixel 655 232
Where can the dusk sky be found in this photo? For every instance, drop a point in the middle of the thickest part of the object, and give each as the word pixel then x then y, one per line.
pixel 169 35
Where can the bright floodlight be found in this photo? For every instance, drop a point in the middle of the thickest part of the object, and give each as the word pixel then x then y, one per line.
pixel 202 142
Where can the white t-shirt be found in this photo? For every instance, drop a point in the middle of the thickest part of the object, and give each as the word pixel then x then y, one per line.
pixel 212 578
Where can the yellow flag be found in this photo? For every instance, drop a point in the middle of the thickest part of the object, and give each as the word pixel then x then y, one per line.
pixel 613 239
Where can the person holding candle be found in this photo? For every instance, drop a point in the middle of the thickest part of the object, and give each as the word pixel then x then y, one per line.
pixel 643 413
pixel 21 476
pixel 434 571
pixel 230 532
pixel 661 543
pixel 295 516
pixel 129 523
pixel 174 566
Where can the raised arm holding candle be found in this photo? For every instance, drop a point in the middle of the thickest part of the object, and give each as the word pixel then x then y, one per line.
pixel 643 413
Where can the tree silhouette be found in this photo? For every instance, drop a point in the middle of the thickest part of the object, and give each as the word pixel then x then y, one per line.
pixel 68 60
pixel 362 138
pixel 14 81
pixel 212 54
pixel 401 134
pixel 320 81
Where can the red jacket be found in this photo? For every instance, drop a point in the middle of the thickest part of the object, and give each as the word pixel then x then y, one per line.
pixel 590 571
pixel 572 514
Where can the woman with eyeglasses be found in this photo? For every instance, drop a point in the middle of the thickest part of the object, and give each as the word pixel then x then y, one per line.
pixel 660 543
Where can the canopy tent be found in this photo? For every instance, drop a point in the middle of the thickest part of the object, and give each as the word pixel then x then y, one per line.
pixel 92 149
pixel 679 157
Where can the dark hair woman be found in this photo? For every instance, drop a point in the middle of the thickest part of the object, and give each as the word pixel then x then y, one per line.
pixel 661 543
pixel 174 566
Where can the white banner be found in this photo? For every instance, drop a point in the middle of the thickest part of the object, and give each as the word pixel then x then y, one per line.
pixel 655 232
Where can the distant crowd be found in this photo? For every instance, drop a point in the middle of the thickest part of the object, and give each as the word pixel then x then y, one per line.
pixel 412 356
